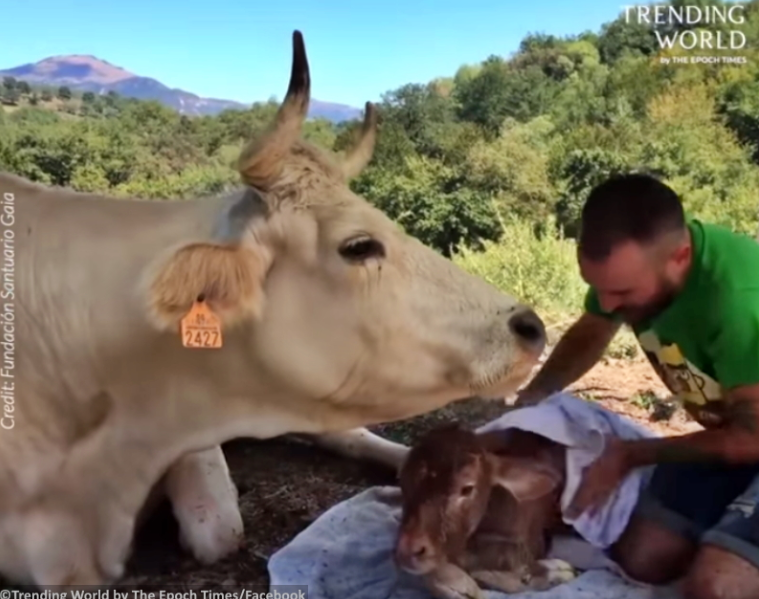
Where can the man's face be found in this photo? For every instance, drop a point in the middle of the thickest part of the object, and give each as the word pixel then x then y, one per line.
pixel 636 283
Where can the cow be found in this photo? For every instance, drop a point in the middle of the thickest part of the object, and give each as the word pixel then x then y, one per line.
pixel 138 336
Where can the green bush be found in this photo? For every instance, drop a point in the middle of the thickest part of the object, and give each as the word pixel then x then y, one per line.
pixel 541 270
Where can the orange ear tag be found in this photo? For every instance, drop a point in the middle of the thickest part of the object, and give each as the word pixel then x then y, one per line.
pixel 200 327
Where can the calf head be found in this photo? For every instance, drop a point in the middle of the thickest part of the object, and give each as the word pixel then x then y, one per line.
pixel 446 483
pixel 329 298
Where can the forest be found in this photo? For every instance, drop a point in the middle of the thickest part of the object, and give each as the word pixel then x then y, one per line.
pixel 489 166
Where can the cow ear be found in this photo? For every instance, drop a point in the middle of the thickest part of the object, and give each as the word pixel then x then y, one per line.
pixel 226 272
pixel 524 478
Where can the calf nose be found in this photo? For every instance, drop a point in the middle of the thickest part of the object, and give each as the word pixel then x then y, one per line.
pixel 419 548
pixel 412 550
pixel 529 329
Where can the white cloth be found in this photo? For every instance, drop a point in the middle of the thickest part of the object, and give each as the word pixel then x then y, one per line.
pixel 347 552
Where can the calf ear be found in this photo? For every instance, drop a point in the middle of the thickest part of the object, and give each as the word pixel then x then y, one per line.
pixel 226 271
pixel 525 479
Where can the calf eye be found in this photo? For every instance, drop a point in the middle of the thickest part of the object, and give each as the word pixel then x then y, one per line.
pixel 467 490
pixel 359 249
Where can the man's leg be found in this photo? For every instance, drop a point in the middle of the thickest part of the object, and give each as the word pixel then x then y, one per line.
pixel 727 564
pixel 681 502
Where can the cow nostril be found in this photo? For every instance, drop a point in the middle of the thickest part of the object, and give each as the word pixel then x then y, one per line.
pixel 529 327
pixel 420 550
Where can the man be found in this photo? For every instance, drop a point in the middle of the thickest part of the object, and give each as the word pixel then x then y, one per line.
pixel 690 292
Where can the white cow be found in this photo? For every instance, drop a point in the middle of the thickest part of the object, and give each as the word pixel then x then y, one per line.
pixel 330 319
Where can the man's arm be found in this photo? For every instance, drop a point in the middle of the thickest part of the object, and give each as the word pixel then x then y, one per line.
pixel 577 351
pixel 735 442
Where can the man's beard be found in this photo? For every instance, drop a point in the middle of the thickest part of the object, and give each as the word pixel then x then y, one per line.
pixel 633 315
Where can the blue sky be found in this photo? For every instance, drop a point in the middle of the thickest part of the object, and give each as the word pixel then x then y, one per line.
pixel 240 49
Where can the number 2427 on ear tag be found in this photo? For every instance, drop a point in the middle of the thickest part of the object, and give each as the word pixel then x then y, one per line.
pixel 201 328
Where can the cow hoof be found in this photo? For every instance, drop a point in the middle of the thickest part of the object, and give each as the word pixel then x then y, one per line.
pixel 113 572
pixel 213 539
pixel 558 571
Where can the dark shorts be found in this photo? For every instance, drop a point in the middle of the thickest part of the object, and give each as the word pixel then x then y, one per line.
pixel 715 505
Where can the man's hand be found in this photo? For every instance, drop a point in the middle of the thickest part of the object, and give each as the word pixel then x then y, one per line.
pixel 601 478
pixel 529 397
pixel 735 442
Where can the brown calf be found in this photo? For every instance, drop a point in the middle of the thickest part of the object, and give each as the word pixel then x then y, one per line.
pixel 481 508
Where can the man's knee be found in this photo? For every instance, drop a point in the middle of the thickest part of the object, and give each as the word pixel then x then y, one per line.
pixel 727 565
pixel 717 573
pixel 651 554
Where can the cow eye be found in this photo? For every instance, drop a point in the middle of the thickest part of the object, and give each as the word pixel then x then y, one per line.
pixel 359 249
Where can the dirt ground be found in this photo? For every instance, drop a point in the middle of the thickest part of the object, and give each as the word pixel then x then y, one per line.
pixel 285 485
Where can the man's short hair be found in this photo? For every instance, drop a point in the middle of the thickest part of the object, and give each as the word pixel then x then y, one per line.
pixel 632 207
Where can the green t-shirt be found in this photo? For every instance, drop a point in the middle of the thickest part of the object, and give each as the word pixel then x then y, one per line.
pixel 707 340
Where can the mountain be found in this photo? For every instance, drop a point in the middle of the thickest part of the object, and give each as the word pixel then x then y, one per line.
pixel 89 73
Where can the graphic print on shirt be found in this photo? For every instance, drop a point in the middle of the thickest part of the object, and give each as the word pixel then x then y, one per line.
pixel 683 378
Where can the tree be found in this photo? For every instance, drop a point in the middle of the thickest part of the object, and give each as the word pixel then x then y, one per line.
pixel 64 93
pixel 9 96
pixel 622 38
pixel 499 91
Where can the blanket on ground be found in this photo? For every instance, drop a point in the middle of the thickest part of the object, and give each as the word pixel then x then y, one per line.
pixel 347 552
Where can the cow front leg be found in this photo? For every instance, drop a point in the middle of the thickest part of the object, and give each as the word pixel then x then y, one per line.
pixel 361 444
pixel 451 582
pixel 204 500
pixel 541 576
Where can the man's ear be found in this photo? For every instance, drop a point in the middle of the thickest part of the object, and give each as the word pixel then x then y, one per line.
pixel 524 478
pixel 227 270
